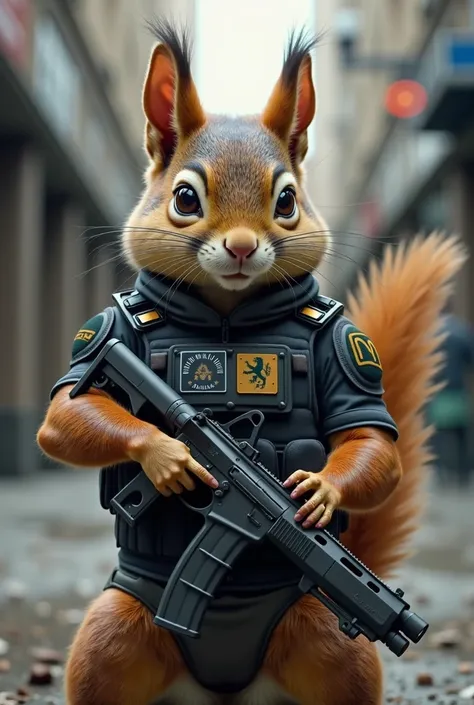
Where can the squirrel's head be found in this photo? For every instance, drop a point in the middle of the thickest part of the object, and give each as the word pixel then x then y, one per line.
pixel 224 202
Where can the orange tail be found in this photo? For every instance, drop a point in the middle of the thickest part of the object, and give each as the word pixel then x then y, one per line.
pixel 399 305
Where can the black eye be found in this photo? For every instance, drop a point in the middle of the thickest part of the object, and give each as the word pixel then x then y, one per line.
pixel 286 204
pixel 186 201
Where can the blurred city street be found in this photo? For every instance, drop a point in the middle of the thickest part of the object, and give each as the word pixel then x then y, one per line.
pixel 58 548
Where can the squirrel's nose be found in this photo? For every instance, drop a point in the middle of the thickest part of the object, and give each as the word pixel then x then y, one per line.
pixel 241 243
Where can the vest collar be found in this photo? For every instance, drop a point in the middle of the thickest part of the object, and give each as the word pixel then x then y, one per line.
pixel 184 305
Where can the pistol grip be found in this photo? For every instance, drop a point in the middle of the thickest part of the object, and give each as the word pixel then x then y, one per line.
pixel 198 573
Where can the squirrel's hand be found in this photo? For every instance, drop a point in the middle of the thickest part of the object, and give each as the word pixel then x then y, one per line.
pixel 321 505
pixel 166 461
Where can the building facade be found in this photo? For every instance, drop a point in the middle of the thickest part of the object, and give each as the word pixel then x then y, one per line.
pixel 389 178
pixel 71 164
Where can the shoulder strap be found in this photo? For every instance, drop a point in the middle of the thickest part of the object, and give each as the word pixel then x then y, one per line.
pixel 320 311
pixel 141 313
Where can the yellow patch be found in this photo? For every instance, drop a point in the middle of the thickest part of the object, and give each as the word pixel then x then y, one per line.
pixel 364 351
pixel 85 334
pixel 257 374
pixel 148 317
pixel 311 312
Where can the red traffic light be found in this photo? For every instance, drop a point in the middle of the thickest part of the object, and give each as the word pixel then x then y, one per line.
pixel 405 99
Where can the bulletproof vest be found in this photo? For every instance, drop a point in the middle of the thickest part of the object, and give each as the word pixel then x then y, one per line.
pixel 230 370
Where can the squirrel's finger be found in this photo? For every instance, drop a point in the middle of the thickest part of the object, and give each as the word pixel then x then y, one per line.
pixel 164 491
pixel 297 476
pixel 201 472
pixel 303 487
pixel 187 481
pixel 315 501
pixel 326 518
pixel 175 486
pixel 314 516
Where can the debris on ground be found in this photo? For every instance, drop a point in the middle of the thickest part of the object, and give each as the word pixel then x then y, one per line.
pixel 424 679
pixel 40 674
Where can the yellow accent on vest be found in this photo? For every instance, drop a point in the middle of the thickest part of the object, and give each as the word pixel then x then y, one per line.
pixel 85 334
pixel 311 312
pixel 148 316
pixel 364 351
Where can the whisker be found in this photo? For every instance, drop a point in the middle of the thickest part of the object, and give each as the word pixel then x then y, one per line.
pixel 285 276
pixel 325 253
pixel 304 265
pixel 308 247
pixel 188 272
pixel 188 268
pixel 110 260
pixel 328 231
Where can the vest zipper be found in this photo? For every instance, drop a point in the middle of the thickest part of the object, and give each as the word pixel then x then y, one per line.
pixel 225 330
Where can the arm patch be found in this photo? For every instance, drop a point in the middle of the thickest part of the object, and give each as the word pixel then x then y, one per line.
pixel 358 357
pixel 91 335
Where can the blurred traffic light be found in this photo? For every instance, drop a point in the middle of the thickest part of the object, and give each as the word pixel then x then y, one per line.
pixel 405 99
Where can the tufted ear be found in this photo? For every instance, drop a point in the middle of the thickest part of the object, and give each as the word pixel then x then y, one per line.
pixel 292 104
pixel 170 100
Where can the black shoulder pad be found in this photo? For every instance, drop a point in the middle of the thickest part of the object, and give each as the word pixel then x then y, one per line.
pixel 320 311
pixel 358 357
pixel 92 335
pixel 141 313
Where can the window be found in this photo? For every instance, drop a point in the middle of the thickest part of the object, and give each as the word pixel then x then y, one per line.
pixel 56 79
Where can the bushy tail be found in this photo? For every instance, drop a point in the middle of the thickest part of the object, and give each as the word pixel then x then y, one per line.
pixel 398 305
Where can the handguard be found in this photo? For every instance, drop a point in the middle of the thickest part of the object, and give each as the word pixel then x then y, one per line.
pixel 250 504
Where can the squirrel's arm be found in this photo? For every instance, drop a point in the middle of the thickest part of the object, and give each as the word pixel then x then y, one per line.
pixel 364 466
pixel 91 430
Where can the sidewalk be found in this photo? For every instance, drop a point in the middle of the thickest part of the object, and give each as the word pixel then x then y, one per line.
pixel 57 549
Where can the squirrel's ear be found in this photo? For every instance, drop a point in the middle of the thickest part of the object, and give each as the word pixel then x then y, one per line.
pixel 292 104
pixel 170 100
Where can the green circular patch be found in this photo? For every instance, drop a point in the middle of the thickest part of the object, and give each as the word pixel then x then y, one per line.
pixel 363 355
pixel 86 336
pixel 358 357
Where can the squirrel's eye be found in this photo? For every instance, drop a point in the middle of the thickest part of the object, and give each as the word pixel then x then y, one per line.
pixel 186 201
pixel 286 204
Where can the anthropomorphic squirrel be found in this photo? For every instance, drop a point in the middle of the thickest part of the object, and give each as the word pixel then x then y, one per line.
pixel 227 310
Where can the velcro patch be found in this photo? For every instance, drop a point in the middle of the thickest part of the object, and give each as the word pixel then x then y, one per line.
pixel 257 373
pixel 358 357
pixel 203 371
pixel 91 335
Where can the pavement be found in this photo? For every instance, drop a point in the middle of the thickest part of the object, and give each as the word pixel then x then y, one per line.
pixel 57 549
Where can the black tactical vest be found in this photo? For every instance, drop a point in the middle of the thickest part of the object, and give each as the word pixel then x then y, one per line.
pixel 231 370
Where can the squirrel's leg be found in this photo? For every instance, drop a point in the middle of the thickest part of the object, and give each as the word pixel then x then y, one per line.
pixel 316 663
pixel 119 657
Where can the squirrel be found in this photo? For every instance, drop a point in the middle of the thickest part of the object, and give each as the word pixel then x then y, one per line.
pixel 225 242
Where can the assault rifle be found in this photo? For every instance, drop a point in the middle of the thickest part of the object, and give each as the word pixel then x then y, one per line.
pixel 249 505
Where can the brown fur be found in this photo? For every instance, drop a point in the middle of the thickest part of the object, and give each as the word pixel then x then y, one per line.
pixel 353 452
pixel 118 656
pixel 399 307
pixel 316 663
pixel 92 431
